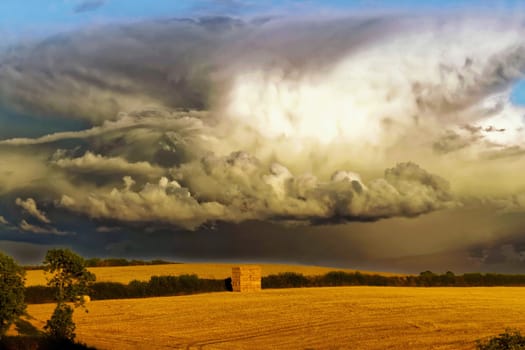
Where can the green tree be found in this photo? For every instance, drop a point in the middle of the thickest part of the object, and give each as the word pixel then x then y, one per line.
pixel 510 340
pixel 71 281
pixel 12 303
pixel 61 326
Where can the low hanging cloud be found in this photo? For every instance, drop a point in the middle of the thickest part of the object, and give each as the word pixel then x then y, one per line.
pixel 164 202
pixel 27 227
pixel 243 182
pixel 30 206
pixel 205 187
pixel 149 138
pixel 239 187
pixel 91 164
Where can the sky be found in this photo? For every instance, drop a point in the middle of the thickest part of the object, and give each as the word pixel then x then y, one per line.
pixel 36 18
pixel 377 135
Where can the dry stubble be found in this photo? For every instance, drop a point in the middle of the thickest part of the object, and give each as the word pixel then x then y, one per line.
pixel 310 318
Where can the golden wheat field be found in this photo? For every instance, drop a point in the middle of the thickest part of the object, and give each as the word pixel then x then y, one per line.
pixel 309 318
pixel 125 274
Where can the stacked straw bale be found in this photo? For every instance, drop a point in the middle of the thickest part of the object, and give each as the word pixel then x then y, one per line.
pixel 246 278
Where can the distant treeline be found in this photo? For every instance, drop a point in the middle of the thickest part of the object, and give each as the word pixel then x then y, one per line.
pixel 155 287
pixel 424 279
pixel 192 284
pixel 99 262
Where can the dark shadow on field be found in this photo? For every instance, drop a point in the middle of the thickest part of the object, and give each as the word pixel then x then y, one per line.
pixel 28 342
pixel 228 284
pixel 24 327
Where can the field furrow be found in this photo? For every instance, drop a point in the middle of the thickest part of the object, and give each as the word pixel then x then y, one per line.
pixel 309 318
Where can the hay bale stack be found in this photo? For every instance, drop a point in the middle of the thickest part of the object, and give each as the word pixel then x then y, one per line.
pixel 246 278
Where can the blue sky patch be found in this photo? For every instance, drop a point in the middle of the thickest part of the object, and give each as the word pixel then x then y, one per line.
pixel 517 96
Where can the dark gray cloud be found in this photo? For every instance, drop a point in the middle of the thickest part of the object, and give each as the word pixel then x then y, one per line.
pixel 452 141
pixel 26 252
pixel 27 227
pixel 505 152
pixel 185 63
pixel 88 5
pixel 29 205
pixel 503 255
pixel 95 75
pixel 196 133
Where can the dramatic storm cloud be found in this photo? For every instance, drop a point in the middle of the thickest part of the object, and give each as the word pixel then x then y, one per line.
pixel 294 124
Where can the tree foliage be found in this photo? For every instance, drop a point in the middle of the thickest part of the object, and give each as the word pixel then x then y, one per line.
pixel 69 275
pixel 12 303
pixel 61 325
pixel 71 280
pixel 510 340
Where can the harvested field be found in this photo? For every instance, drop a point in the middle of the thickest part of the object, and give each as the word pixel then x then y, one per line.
pixel 125 274
pixel 309 318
